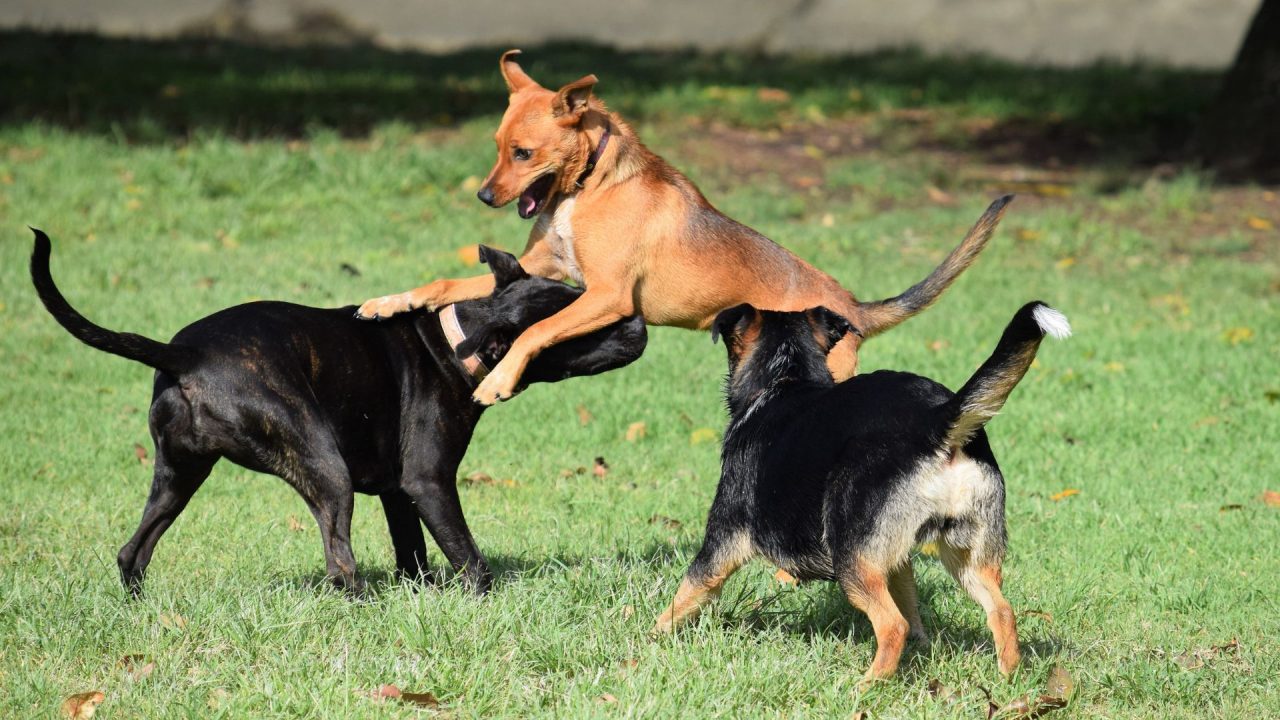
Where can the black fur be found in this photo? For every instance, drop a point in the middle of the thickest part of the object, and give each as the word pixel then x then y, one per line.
pixel 333 406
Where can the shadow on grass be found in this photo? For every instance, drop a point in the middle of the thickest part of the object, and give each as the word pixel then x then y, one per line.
pixel 159 91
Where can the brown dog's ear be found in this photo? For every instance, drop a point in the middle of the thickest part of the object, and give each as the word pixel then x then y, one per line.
pixel 515 76
pixel 829 327
pixel 506 268
pixel 731 322
pixel 571 100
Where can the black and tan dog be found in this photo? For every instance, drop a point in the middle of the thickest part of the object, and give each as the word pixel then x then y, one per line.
pixel 840 481
pixel 335 406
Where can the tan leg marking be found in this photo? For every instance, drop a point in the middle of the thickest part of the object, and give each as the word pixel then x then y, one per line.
pixel 867 588
pixel 983 584
pixel 843 358
pixel 902 586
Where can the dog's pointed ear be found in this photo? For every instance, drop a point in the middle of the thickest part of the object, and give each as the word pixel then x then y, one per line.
pixel 506 268
pixel 829 327
pixel 732 321
pixel 515 76
pixel 571 100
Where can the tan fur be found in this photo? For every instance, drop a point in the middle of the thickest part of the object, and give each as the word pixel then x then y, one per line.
pixel 644 237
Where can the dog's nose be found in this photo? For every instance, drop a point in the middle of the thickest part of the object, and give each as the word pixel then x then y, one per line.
pixel 486 196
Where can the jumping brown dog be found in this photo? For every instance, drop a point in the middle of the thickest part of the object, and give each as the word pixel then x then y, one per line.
pixel 641 239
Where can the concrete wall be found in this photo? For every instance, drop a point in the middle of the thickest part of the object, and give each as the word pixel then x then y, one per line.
pixel 1201 33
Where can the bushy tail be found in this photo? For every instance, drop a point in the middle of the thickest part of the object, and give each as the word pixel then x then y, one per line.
pixel 878 316
pixel 173 359
pixel 985 393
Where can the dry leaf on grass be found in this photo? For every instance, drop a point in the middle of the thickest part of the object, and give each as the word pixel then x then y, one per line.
pixel 140 452
pixel 173 622
pixel 1058 496
pixel 1259 223
pixel 584 415
pixel 942 693
pixel 636 431
pixel 938 195
pixel 666 522
pixel 469 255
pixel 772 95
pixel 1196 659
pixel 1027 234
pixel 480 477
pixel 1271 497
pixel 601 468
pixel 607 698
pixel 702 435
pixel 82 706
pixel 1047 617
pixel 1231 506
pixel 294 524
pixel 391 692
pixel 136 666
pixel 1237 335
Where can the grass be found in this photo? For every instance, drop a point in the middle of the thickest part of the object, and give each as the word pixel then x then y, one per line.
pixel 1161 410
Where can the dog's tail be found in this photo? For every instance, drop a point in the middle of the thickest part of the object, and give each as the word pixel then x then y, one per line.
pixel 173 359
pixel 985 393
pixel 878 316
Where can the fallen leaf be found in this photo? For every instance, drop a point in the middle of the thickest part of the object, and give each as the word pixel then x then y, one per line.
pixel 636 431
pixel 140 452
pixel 426 699
pixel 1064 494
pixel 702 435
pixel 772 95
pixel 628 611
pixel 601 468
pixel 1272 396
pixel 479 477
pixel 1271 497
pixel 1231 506
pixel 1259 223
pixel 666 522
pixel 785 577
pixel 1196 659
pixel 607 698
pixel 206 283
pixel 1060 683
pixel 82 706
pixel 1024 708
pixel 939 345
pixel 173 622
pixel 941 692
pixel 828 220
pixel 295 525
pixel 1027 234
pixel 938 195
pixel 1237 335
pixel 1207 421
pixel 217 697
pixel 170 91
pixel 469 255
pixel 1065 263
pixel 136 666
pixel 1114 367
pixel 349 269
pixel 859 715
pixel 584 415
pixel 471 183
pixel 567 473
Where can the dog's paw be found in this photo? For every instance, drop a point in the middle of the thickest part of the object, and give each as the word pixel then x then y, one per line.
pixel 498 385
pixel 385 306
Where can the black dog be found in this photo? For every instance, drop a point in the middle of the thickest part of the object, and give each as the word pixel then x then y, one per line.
pixel 839 482
pixel 333 405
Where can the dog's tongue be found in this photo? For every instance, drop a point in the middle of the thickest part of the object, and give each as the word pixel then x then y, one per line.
pixel 528 203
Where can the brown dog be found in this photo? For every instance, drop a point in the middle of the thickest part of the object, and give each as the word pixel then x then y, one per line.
pixel 641 239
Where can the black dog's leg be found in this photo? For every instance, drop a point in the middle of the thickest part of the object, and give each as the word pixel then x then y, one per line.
pixel 332 511
pixel 406 537
pixel 172 485
pixel 437 502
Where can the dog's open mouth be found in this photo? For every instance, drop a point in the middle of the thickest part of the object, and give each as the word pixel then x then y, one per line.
pixel 535 196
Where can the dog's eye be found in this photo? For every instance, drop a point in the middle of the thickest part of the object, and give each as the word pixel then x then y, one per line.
pixel 523 153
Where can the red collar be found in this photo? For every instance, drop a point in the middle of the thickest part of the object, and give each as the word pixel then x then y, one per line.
pixel 594 158
pixel 453 333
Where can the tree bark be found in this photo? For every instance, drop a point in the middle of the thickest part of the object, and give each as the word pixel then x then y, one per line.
pixel 1239 135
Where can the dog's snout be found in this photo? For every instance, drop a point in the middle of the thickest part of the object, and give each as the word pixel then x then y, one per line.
pixel 486 195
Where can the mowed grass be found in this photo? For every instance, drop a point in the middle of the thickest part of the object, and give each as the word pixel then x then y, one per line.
pixel 1161 411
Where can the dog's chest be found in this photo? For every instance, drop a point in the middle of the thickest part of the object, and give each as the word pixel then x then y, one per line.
pixel 557 229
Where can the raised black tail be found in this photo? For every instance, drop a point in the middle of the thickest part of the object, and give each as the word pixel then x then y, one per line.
pixel 173 359
pixel 985 393
pixel 880 315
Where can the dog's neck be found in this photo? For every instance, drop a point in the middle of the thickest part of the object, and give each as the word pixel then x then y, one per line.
pixel 790 364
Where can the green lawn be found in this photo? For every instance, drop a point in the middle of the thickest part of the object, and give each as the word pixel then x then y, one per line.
pixel 277 167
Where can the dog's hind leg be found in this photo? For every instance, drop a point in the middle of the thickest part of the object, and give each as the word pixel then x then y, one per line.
pixel 325 483
pixel 721 556
pixel 173 482
pixel 867 588
pixel 982 580
pixel 406 537
pixel 902 586
pixel 437 502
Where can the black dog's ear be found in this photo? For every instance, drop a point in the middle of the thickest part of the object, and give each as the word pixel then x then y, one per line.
pixel 506 268
pixel 491 341
pixel 830 326
pixel 726 323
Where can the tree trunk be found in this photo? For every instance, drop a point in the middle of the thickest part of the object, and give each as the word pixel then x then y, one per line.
pixel 1239 135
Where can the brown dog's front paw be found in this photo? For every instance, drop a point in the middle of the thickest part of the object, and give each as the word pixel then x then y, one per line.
pixel 385 306
pixel 498 385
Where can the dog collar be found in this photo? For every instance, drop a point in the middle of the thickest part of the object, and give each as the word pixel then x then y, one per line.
pixel 594 158
pixel 453 333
